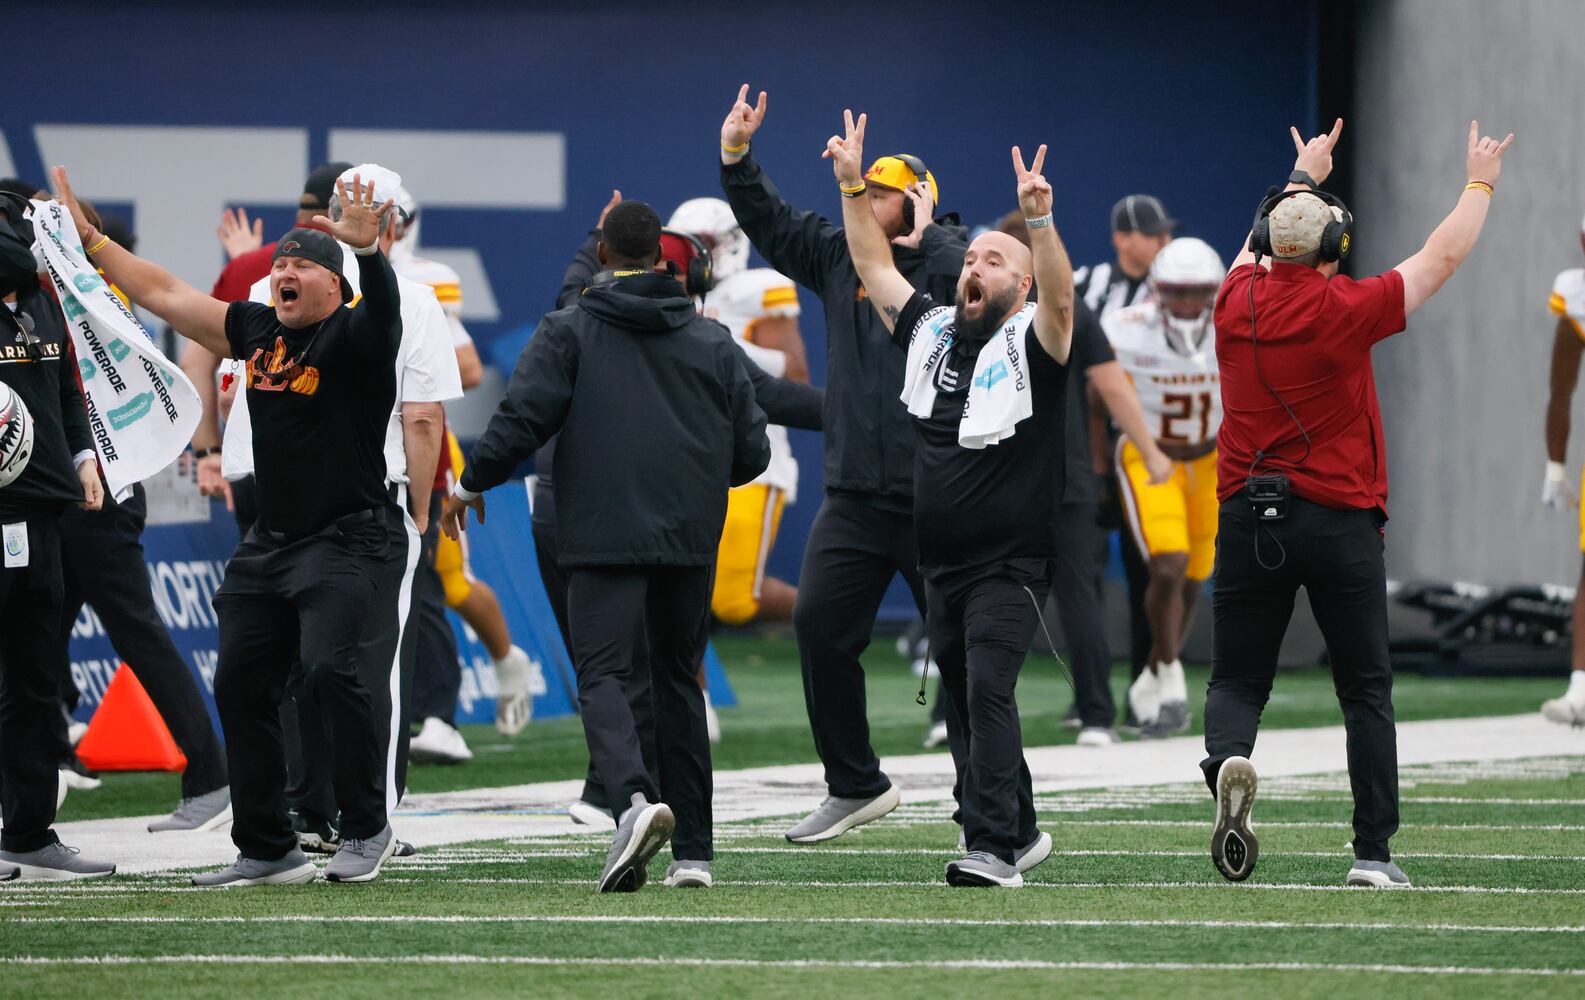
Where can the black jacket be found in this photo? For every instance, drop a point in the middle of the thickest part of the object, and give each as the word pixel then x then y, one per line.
pixel 784 401
pixel 656 421
pixel 44 377
pixel 869 436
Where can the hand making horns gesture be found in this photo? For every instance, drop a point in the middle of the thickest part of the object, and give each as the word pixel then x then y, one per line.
pixel 1315 157
pixel 360 222
pixel 847 153
pixel 1034 193
pixel 742 121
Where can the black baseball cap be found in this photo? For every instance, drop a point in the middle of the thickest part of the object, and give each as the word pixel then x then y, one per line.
pixel 321 184
pixel 321 248
pixel 1141 213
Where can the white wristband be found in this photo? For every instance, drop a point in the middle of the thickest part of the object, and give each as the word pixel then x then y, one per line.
pixel 1555 472
pixel 366 251
pixel 465 495
pixel 1039 221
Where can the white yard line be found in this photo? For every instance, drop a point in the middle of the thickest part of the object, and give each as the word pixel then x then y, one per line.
pixel 1119 884
pixel 432 820
pixel 1272 925
pixel 752 963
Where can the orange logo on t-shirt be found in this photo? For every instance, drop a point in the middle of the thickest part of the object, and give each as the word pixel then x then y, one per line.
pixel 273 373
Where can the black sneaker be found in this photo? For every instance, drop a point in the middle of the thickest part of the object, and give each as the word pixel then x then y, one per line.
pixel 317 836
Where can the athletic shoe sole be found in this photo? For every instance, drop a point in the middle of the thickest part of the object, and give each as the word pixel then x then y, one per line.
pixel 1039 851
pixel 370 876
pixel 650 832
pixel 584 814
pixel 313 843
pixel 215 822
pixel 301 875
pixel 35 873
pixel 7 874
pixel 689 878
pixel 878 807
pixel 1233 845
pixel 1374 880
pixel 972 878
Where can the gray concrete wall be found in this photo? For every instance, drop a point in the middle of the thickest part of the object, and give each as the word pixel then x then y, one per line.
pixel 1463 390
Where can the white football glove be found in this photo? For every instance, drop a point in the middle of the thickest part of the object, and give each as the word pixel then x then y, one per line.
pixel 1555 492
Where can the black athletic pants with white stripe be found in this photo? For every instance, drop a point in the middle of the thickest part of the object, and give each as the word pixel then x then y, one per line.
pixel 855 548
pixel 1338 557
pixel 31 645
pixel 306 599
pixel 437 674
pixel 614 612
pixel 105 566
pixel 981 622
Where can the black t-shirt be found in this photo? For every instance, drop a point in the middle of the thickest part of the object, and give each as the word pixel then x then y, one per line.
pixel 1090 348
pixel 319 399
pixel 978 507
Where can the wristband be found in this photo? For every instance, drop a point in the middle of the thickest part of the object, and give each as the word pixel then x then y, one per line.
pixel 199 453
pixel 735 150
pixel 1039 221
pixel 372 248
pixel 462 493
pixel 852 191
pixel 83 457
pixel 99 245
pixel 1480 186
pixel 1555 472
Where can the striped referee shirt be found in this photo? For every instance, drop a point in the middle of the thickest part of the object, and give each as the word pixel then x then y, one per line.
pixel 1105 288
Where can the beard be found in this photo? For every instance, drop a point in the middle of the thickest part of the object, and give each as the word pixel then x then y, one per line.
pixel 994 309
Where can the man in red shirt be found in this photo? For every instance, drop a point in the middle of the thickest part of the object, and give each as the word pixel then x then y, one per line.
pixel 1302 480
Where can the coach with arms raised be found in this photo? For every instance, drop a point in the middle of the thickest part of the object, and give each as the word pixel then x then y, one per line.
pixel 1302 479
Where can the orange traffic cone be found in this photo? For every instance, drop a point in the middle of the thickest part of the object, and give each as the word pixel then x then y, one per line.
pixel 127 733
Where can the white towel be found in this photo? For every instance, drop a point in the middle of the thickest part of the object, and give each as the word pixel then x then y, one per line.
pixel 999 394
pixel 141 409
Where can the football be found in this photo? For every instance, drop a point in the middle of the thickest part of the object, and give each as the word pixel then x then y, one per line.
pixel 16 436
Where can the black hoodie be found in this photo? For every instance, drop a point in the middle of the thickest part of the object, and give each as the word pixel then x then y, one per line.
pixel 45 379
pixel 656 417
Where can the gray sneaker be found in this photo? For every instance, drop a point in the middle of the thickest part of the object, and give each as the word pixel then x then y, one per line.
pixel 53 863
pixel 1173 718
pixel 837 816
pixel 404 850
pixel 1032 853
pixel 9 872
pixel 293 868
pixel 360 860
pixel 981 868
pixel 689 875
pixel 1378 875
pixel 1233 845
pixel 644 830
pixel 201 812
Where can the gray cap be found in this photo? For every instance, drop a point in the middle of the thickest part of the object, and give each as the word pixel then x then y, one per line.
pixel 1141 213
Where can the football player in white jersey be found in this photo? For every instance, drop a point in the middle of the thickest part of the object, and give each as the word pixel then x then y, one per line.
pixel 760 307
pixel 1568 344
pixel 1168 348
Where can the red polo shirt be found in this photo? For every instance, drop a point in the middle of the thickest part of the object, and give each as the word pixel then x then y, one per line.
pixel 1315 336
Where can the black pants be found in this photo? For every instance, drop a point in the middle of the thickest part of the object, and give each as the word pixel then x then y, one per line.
pixel 308 600
pixel 1076 586
pixel 104 565
pixel 32 642
pixel 1337 556
pixel 854 550
pixel 612 611
pixel 437 674
pixel 980 626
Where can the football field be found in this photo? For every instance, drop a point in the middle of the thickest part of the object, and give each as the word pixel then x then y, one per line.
pixel 1127 905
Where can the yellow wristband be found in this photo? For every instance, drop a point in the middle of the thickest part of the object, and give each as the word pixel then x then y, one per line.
pixel 99 244
pixel 1479 186
pixel 853 189
pixel 734 150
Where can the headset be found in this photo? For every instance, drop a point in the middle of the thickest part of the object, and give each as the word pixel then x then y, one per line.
pixel 1268 494
pixel 917 165
pixel 699 278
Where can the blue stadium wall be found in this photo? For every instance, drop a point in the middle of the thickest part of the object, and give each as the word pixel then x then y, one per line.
pixel 1188 101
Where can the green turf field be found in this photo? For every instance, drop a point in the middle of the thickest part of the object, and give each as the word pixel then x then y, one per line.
pixel 1128 905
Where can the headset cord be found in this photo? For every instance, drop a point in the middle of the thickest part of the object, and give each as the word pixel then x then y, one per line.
pixel 1282 553
pixel 925 674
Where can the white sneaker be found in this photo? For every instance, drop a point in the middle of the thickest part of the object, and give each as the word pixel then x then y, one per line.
pixel 514 703
pixel 712 722
pixel 1097 736
pixel 1568 710
pixel 1144 697
pixel 76 731
pixel 439 743
pixel 937 737
pixel 79 782
pixel 588 814
pixel 1173 716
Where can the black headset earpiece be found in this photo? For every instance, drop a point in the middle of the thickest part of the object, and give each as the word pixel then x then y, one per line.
pixel 921 171
pixel 700 278
pixel 1337 239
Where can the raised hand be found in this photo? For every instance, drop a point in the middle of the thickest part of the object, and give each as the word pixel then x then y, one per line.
pixel 742 121
pixel 616 199
pixel 924 210
pixel 63 194
pixel 1315 157
pixel 1484 162
pixel 1034 193
pixel 846 153
pixel 361 219
pixel 235 235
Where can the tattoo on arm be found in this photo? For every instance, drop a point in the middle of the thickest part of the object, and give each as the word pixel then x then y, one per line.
pixel 892 312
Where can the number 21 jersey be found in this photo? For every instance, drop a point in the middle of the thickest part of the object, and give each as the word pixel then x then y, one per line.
pixel 1175 375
